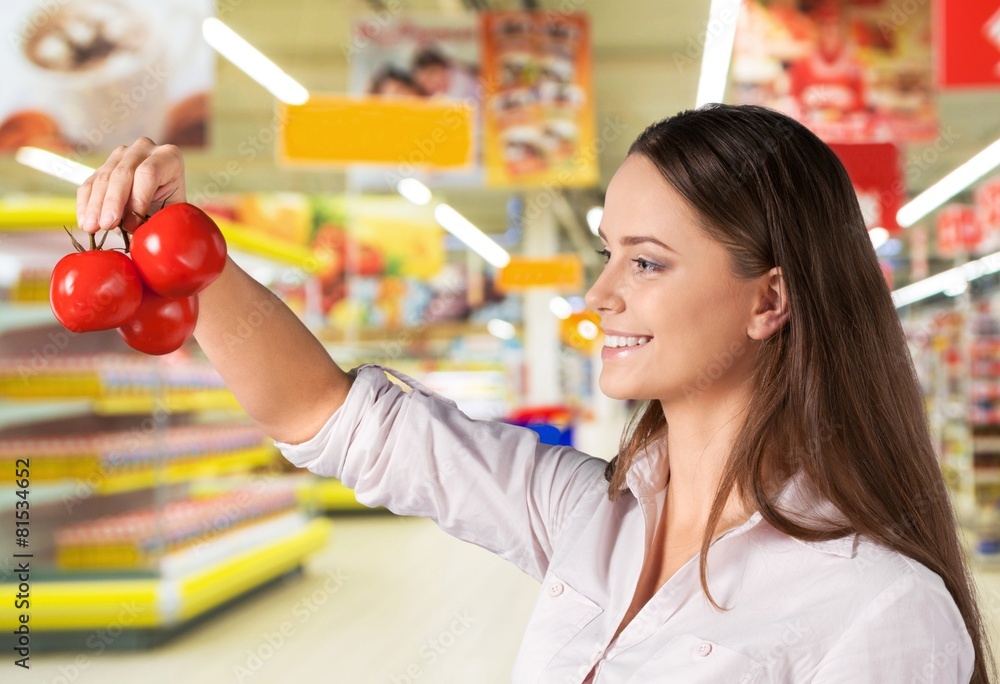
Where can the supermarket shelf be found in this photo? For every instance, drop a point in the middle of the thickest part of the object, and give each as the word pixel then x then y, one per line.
pixel 430 331
pixel 174 402
pixel 164 603
pixel 38 213
pixel 22 316
pixel 100 483
pixel 328 494
pixel 986 476
pixel 237 461
pixel 18 412
pixel 23 408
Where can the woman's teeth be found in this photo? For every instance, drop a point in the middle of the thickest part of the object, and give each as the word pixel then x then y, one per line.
pixel 618 341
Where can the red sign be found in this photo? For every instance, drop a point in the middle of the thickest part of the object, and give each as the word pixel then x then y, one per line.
pixel 875 172
pixel 987 201
pixel 957 229
pixel 967 37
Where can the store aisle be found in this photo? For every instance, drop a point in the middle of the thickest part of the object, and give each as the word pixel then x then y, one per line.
pixel 388 597
pixel 389 601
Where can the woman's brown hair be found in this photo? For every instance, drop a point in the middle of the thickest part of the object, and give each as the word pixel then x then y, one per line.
pixel 835 394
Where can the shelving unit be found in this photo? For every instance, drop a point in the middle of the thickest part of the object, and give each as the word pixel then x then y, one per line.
pixel 957 355
pixel 133 438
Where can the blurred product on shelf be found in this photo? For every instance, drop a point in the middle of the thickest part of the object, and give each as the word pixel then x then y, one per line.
pixel 140 538
pixel 956 351
pixel 97 375
pixel 105 455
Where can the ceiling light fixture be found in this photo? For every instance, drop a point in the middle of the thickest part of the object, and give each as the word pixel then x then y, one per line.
pixel 414 191
pixel 718 51
pixel 500 328
pixel 53 164
pixel 252 62
pixel 477 240
pixel 594 216
pixel 560 307
pixel 947 282
pixel 949 186
pixel 879 236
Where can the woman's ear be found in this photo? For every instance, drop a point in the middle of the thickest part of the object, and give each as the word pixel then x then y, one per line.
pixel 770 308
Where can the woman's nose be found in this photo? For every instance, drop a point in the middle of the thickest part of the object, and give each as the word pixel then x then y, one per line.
pixel 601 296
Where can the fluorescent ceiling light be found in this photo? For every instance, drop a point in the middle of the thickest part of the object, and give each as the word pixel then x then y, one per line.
pixel 54 165
pixel 560 307
pixel 879 236
pixel 949 186
pixel 951 282
pixel 718 52
pixel 477 240
pixel 414 191
pixel 594 216
pixel 587 329
pixel 249 59
pixel 501 329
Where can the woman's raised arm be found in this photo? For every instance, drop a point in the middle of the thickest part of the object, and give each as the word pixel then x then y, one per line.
pixel 280 373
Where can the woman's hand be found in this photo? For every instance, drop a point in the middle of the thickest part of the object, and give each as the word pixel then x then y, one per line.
pixel 134 178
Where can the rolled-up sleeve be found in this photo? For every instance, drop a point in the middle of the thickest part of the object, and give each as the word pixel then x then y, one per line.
pixel 416 453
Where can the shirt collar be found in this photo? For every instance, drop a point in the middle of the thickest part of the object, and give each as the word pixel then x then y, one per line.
pixel 650 469
pixel 797 498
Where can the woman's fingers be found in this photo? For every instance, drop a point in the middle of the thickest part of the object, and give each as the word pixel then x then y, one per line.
pixel 90 194
pixel 157 176
pixel 122 189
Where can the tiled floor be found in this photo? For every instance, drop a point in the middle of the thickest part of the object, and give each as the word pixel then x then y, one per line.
pixel 389 601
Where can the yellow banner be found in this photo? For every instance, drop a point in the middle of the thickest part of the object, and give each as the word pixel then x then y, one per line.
pixel 339 130
pixel 564 271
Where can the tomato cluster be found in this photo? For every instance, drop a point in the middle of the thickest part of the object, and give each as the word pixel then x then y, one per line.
pixel 150 298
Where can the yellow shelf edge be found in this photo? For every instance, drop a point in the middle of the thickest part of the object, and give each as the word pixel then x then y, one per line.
pixel 212 586
pixel 82 605
pixel 44 214
pixel 329 495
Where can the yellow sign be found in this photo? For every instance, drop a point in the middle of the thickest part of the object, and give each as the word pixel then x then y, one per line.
pixel 523 273
pixel 338 130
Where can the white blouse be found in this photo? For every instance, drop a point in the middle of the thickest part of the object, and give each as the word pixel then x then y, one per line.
pixel 846 610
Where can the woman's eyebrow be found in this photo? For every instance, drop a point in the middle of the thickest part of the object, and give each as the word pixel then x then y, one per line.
pixel 630 240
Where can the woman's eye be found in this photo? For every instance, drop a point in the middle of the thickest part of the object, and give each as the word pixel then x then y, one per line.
pixel 646 265
pixel 604 253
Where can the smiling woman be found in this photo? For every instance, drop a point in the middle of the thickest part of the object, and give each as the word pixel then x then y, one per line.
pixel 781 431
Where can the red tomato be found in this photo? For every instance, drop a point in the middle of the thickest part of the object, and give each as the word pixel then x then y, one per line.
pixel 161 324
pixel 179 251
pixel 94 290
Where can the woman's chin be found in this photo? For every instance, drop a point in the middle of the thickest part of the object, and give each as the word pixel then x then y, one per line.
pixel 616 389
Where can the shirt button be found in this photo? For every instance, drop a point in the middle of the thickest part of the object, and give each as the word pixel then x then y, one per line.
pixel 704 648
pixel 555 589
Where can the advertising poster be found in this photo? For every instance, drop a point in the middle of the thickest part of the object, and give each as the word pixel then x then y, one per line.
pixel 967 43
pixel 538 108
pixel 379 248
pixel 876 173
pixel 82 77
pixel 419 58
pixel 851 70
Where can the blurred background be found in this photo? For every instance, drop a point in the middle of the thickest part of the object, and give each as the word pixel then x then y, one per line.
pixel 421 182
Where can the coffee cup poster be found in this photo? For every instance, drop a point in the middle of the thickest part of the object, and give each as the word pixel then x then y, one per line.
pixel 854 71
pixel 85 76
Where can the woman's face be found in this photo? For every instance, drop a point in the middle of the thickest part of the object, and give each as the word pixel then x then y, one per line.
pixel 680 294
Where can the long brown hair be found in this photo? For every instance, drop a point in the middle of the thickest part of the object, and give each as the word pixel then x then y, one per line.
pixel 835 394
